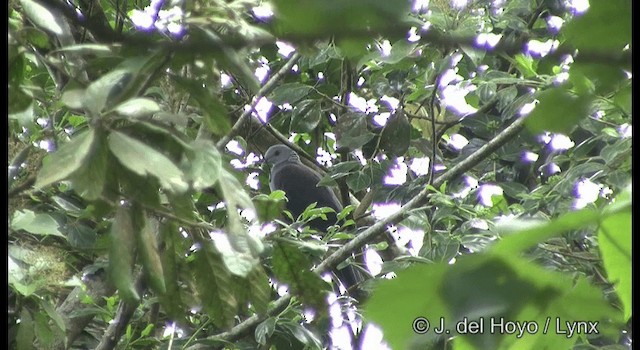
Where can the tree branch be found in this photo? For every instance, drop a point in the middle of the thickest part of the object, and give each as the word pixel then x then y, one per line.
pixel 245 326
pixel 475 158
pixel 123 316
pixel 97 287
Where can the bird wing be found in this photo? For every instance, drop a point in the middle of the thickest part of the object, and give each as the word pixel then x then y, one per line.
pixel 301 186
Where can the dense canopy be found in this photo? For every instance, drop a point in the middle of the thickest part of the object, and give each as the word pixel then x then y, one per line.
pixel 480 151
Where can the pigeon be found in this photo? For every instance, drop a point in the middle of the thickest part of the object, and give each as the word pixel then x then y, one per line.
pixel 300 184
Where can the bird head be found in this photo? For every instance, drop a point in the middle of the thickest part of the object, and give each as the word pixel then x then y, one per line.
pixel 278 154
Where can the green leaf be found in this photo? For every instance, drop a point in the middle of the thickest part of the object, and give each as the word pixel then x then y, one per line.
pixel 268 208
pixel 215 287
pixel 359 181
pixel 45 18
pixel 204 167
pixel 147 330
pixel 240 251
pixel 303 335
pixel 67 204
pixel 120 83
pixel 292 267
pixel 599 78
pixel 144 160
pixel 20 107
pixel 621 149
pixel 86 49
pixel 265 329
pixel 396 134
pixel 89 181
pixel 38 224
pixel 506 96
pixel 399 51
pixel 122 255
pixel 54 315
pixel 103 91
pixel 606 26
pixel 16 67
pixel 338 171
pixel 351 131
pixel 346 211
pixel 137 107
pixel 171 301
pixel 558 111
pixel 306 116
pixel 73 99
pixel 148 250
pixel 26 334
pixel 23 289
pixel 232 61
pixel 484 287
pixel 80 236
pixel 519 234
pixel 39 38
pixel 289 93
pixel 260 289
pixel 614 238
pixel 233 191
pixel 486 91
pixel 66 160
pixel 324 18
pixel 215 112
pixel 513 189
pixel 476 56
pixel 44 334
pixel 236 248
pixel 526 65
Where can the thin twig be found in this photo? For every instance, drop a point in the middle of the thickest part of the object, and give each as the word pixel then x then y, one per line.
pixel 265 90
pixel 123 316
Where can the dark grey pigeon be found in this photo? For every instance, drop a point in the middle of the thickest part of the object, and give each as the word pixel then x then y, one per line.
pixel 300 184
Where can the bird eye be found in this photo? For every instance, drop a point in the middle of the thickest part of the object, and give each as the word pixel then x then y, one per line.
pixel 277 153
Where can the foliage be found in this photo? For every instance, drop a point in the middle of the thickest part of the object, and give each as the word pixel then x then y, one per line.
pixel 135 224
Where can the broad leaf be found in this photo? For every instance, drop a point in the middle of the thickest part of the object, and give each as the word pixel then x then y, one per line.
pixel 105 89
pixel 51 21
pixel 306 116
pixel 292 267
pixel 214 286
pixel 614 237
pixel 150 257
pixel 67 159
pixel 26 333
pixel 215 113
pixel 38 224
pixel 122 254
pixel 144 161
pixel 605 26
pixel 325 18
pixel 205 166
pixel 289 93
pixel 484 288
pixel 351 131
pixel 137 107
pixel 558 111
pixel 89 181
